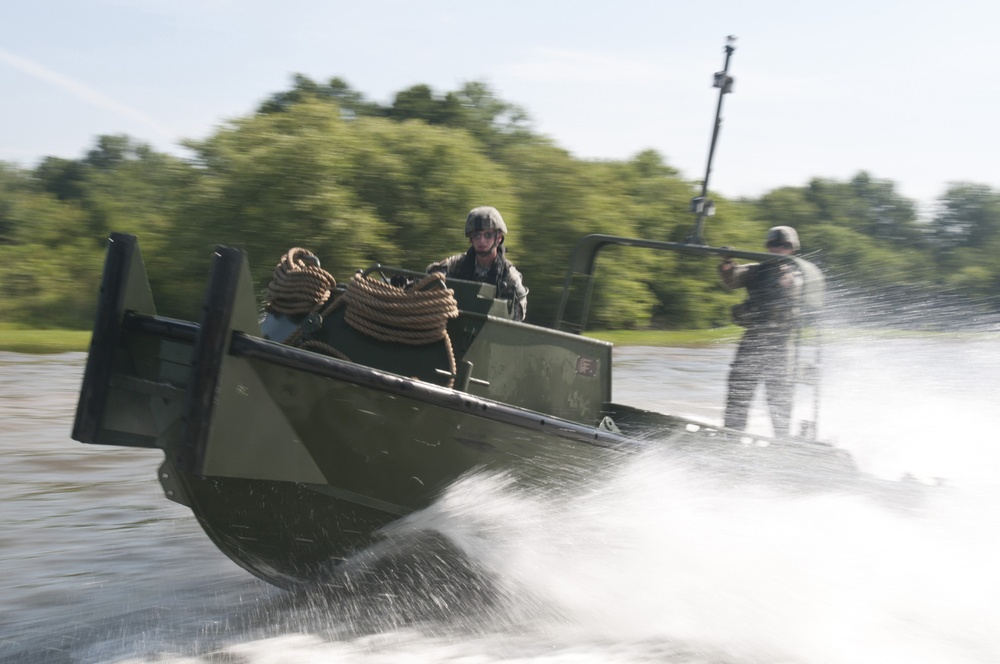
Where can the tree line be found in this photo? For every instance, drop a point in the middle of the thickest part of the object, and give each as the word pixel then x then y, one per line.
pixel 320 166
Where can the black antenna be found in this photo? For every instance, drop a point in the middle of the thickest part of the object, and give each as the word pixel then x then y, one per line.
pixel 701 205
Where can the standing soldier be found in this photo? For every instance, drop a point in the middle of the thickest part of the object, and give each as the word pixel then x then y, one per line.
pixel 770 315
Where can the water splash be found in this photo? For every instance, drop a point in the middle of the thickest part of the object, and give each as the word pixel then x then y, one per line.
pixel 671 559
pixel 654 553
pixel 917 407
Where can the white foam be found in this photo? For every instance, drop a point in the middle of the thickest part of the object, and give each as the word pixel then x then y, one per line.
pixel 655 553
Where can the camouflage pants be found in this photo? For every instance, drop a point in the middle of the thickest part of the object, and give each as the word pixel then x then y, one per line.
pixel 762 357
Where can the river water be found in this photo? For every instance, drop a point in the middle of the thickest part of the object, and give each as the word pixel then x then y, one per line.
pixel 649 562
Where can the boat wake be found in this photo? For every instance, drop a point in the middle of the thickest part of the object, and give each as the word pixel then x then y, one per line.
pixel 666 557
pixel 654 560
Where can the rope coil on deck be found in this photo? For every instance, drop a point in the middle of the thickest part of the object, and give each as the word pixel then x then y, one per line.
pixel 299 284
pixel 415 316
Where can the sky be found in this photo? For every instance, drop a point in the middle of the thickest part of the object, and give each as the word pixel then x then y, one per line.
pixel 904 90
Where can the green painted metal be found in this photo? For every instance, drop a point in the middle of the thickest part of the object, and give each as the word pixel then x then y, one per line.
pixel 291 460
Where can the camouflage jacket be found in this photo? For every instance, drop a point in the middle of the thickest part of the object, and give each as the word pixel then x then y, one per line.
pixel 774 291
pixel 501 273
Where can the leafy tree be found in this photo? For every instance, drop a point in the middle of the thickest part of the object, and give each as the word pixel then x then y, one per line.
pixel 561 200
pixel 48 273
pixel 494 122
pixel 420 181
pixel 63 178
pixel 870 206
pixel 354 192
pixel 474 107
pixel 419 103
pixel 965 233
pixel 319 166
pixel 270 182
pixel 111 151
pixel 968 215
pixel 790 206
pixel 14 186
pixel 350 101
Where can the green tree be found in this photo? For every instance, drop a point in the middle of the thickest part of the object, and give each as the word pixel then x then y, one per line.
pixel 354 192
pixel 63 178
pixel 965 233
pixel 496 124
pixel 320 166
pixel 870 206
pixel 968 215
pixel 48 272
pixel 351 102
pixel 561 200
pixel 270 182
pixel 420 181
pixel 419 103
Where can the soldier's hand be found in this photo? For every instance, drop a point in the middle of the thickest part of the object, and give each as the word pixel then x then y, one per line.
pixel 727 261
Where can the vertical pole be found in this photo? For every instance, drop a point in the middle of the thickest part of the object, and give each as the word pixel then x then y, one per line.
pixel 724 83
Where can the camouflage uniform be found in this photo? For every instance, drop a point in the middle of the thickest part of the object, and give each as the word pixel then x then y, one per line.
pixel 501 272
pixel 765 354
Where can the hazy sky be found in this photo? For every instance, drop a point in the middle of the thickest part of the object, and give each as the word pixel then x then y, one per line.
pixel 907 90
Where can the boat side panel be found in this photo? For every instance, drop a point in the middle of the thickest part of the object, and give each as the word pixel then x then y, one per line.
pixel 111 411
pixel 551 372
pixel 251 437
pixel 370 442
pixel 379 457
pixel 231 426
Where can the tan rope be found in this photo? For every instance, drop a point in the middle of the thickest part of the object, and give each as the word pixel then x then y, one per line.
pixel 326 349
pixel 299 285
pixel 415 316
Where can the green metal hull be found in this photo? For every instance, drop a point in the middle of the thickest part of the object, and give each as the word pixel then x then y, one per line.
pixel 292 460
pixel 325 463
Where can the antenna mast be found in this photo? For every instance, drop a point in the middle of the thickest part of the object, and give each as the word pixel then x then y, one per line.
pixel 701 205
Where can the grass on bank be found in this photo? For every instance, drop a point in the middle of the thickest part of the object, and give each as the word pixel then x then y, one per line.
pixel 41 342
pixel 667 337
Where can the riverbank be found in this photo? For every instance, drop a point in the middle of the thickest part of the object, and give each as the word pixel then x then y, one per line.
pixel 43 342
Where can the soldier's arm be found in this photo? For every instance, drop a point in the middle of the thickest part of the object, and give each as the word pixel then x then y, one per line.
pixel 732 275
pixel 445 265
pixel 520 293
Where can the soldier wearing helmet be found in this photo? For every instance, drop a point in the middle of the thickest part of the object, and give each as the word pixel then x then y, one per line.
pixel 486 261
pixel 770 315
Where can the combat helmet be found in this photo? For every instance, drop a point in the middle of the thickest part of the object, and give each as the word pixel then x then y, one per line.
pixel 484 218
pixel 785 234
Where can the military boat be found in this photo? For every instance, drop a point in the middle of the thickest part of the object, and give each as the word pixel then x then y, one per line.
pixel 294 437
pixel 296 434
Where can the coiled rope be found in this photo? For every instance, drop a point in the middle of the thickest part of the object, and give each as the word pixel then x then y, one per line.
pixel 299 285
pixel 415 316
